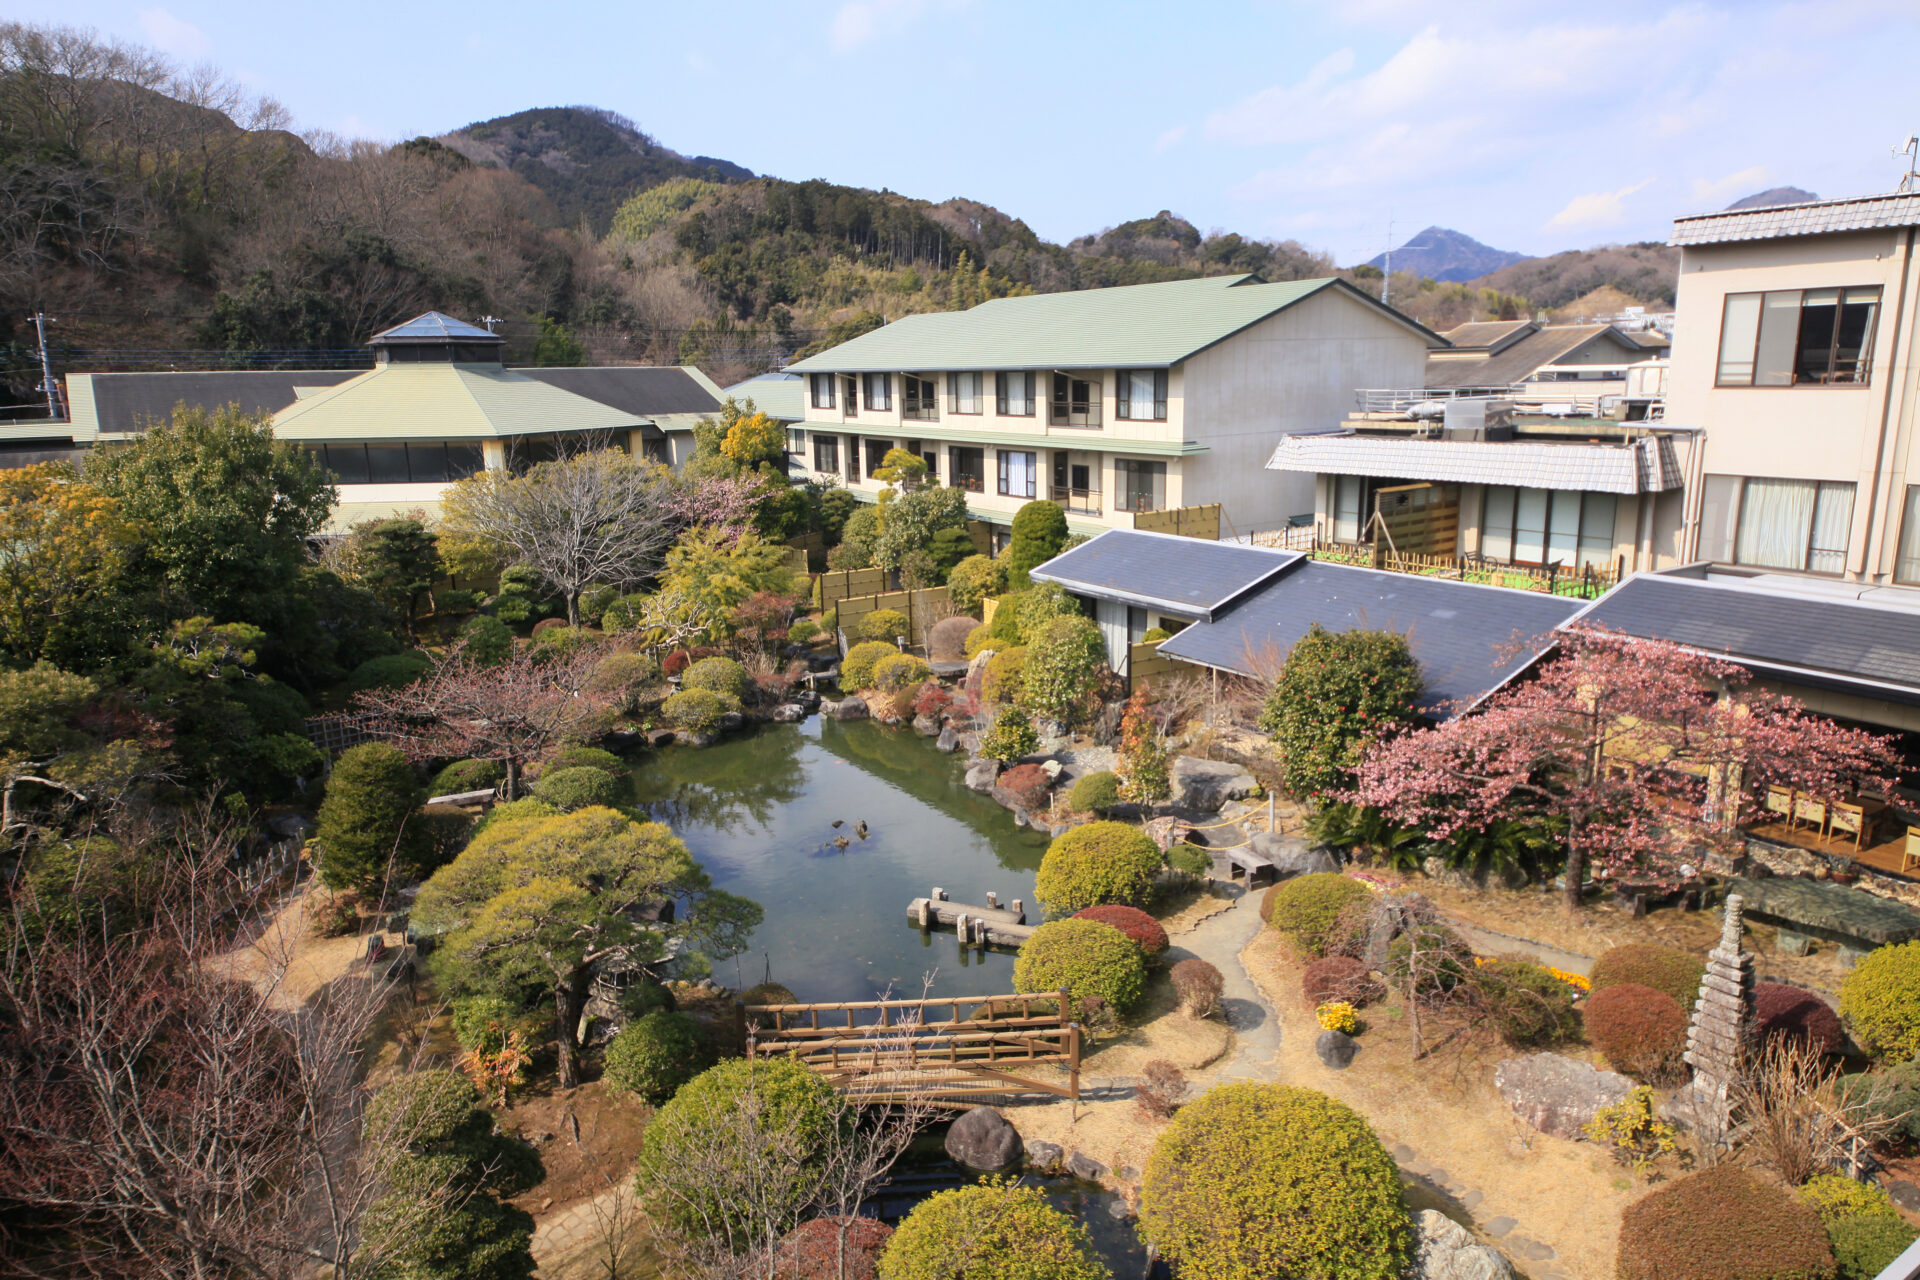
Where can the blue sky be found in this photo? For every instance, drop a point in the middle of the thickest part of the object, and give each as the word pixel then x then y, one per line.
pixel 1531 126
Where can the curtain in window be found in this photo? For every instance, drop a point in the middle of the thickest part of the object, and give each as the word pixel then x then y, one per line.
pixel 964 390
pixel 822 390
pixel 879 390
pixel 1015 394
pixel 1135 388
pixel 1739 329
pixel 1906 568
pixel 1017 473
pixel 1853 345
pixel 1775 519
pixel 1832 523
pixel 1530 527
pixel 1496 524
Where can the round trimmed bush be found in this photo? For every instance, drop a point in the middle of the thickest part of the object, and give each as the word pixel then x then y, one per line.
pixel 581 787
pixel 899 671
pixel 545 625
pixel 805 631
pixel 695 710
pixel 1198 984
pixel 1866 1244
pixel 737 1109
pixel 1641 1031
pixel 1142 929
pixel 1094 865
pixel 856 669
pixel 1340 978
pixel 1001 683
pixel 1780 1010
pixel 1722 1223
pixel 467 775
pixel 655 1055
pixel 1155 635
pixel 974 579
pixel 588 758
pixel 1095 793
pixel 421 1109
pixel 365 821
pixel 1190 859
pixel 815 1249
pixel 1025 784
pixel 487 640
pixel 947 639
pixel 1011 737
pixel 1644 964
pixel 883 624
pixel 1254 1181
pixel 721 675
pixel 1305 907
pixel 979 638
pixel 989 1232
pixel 1089 959
pixel 1526 1004
pixel 621 677
pixel 1880 1001
pixel 390 671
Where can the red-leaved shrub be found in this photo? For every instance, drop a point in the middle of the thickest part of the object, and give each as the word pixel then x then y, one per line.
pixel 1722 1223
pixel 1340 978
pixel 1132 921
pixel 1025 784
pixel 1780 1010
pixel 812 1250
pixel 1198 985
pixel 932 699
pixel 1642 1031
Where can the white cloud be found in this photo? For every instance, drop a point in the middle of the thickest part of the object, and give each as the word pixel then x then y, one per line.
pixel 859 21
pixel 174 35
pixel 1597 208
pixel 1171 138
pixel 1711 192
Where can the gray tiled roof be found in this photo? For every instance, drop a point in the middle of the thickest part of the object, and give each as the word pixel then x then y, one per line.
pixel 1188 576
pixel 1516 362
pixel 1492 335
pixel 1646 465
pixel 642 390
pixel 126 401
pixel 1872 649
pixel 1459 631
pixel 1864 213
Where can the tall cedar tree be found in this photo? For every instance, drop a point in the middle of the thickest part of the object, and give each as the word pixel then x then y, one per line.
pixel 1039 531
pixel 1338 693
pixel 397 560
pixel 369 832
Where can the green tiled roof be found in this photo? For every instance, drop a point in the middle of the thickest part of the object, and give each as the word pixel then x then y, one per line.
pixel 1131 326
pixel 781 398
pixel 444 402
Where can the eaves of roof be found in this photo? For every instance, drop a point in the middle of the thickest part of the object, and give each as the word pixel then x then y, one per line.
pixel 1820 217
pixel 1055 437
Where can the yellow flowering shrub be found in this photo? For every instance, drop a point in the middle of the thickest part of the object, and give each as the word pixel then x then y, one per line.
pixel 1338 1015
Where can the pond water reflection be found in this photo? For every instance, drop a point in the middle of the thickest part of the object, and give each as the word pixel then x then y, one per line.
pixel 757 810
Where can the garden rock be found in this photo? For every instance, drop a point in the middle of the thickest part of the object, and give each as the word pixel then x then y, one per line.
pixel 290 826
pixel 731 720
pixel 1085 1167
pixel 1905 1194
pixel 1291 856
pixel 982 773
pixel 789 713
pixel 948 741
pixel 1445 1250
pixel 807 698
pixel 845 709
pixel 1557 1095
pixel 926 726
pixel 1204 785
pixel 1336 1049
pixel 983 1140
pixel 1045 1156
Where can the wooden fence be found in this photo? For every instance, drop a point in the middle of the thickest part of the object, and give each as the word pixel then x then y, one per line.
pixel 1145 664
pixel 837 584
pixel 1588 583
pixel 923 608
pixel 982 534
pixel 339 730
pixel 1186 522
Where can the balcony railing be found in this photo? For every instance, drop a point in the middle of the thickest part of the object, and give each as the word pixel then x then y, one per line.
pixel 1080 502
pixel 1073 413
pixel 920 410
pixel 1589 582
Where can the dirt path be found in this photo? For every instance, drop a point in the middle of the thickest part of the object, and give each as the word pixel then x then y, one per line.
pixel 1219 940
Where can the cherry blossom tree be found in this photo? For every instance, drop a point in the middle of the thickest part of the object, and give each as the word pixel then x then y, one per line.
pixel 1602 736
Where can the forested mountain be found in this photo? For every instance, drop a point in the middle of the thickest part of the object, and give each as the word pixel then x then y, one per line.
pixel 1645 273
pixel 1441 253
pixel 1773 196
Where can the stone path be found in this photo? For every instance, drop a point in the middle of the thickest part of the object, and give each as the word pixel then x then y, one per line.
pixel 578 1226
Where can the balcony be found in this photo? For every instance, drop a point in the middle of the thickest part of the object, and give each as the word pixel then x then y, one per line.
pixel 1073 413
pixel 920 410
pixel 1078 502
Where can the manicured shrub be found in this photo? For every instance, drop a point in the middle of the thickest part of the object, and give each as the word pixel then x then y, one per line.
pixel 989 1232
pixel 1644 964
pixel 1087 958
pixel 979 638
pixel 588 758
pixel 947 638
pixel 486 641
pixel 1011 737
pixel 1093 865
pixel 1154 635
pixel 1337 694
pixel 1880 1001
pixel 899 671
pixel 545 625
pixel 1144 931
pixel 1780 1010
pixel 467 775
pixel 856 669
pixel 767 993
pixel 582 787
pixel 1253 1181
pixel 1002 682
pixel 1722 1223
pixel 561 641
pixel 365 822
pixel 1039 531
pixel 1190 859
pixel 1025 784
pixel 736 1111
pixel 445 829
pixel 1526 1004
pixel 974 579
pixel 1198 984
pixel 1305 907
pixel 621 677
pixel 514 810
pixel 695 710
pixel 390 671
pixel 721 675
pixel 817 1248
pixel 1641 1031
pixel 1892 1094
pixel 805 631
pixel 883 624
pixel 1866 1244
pixel 1061 670
pixel 1095 793
pixel 1835 1196
pixel 655 1055
pixel 1340 978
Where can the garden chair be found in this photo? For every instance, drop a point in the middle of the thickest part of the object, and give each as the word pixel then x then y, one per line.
pixel 1848 819
pixel 1912 853
pixel 1780 801
pixel 1812 811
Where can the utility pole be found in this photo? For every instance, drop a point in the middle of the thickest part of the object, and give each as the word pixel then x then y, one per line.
pixel 1386 276
pixel 47 384
pixel 489 321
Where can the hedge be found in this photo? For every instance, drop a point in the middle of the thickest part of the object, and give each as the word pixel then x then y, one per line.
pixel 1095 793
pixel 655 1055
pixel 1142 929
pixel 1780 1010
pixel 1089 959
pixel 995 1231
pixel 1305 907
pixel 1641 1031
pixel 582 787
pixel 467 775
pixel 1722 1223
pixel 1866 1244
pixel 721 675
pixel 1254 1181
pixel 1644 964
pixel 1093 865
pixel 1880 1001
pixel 1340 978
pixel 856 669
pixel 897 671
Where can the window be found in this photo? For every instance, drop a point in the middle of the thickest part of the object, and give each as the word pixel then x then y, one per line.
pixel 1776 524
pixel 967 468
pixel 877 391
pixel 877 455
pixel 822 386
pixel 796 440
pixel 1076 402
pixel 1795 337
pixel 1141 395
pixel 1143 485
pixel 917 399
pixel 826 453
pixel 1013 394
pixel 1348 495
pixel 1547 526
pixel 399 463
pixel 849 395
pixel 964 393
pixel 1017 472
pixel 1906 568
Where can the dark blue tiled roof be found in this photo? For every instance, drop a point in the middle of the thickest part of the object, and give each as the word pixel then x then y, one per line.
pixel 1459 631
pixel 1188 576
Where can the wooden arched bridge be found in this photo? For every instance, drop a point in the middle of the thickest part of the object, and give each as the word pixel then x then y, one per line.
pixel 951 1051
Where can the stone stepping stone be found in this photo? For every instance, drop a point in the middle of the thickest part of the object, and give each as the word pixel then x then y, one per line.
pixel 1498 1227
pixel 1402 1152
pixel 1539 1252
pixel 1471 1201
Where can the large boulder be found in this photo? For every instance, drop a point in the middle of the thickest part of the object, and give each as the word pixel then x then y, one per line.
pixel 926 726
pixel 948 741
pixel 1445 1250
pixel 1203 786
pixel 789 713
pixel 1291 856
pixel 853 708
pixel 981 774
pixel 1336 1049
pixel 1558 1095
pixel 983 1140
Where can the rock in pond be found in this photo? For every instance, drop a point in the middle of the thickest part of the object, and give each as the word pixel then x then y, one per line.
pixel 1045 1156
pixel 846 709
pixel 1557 1095
pixel 1445 1250
pixel 983 1140
pixel 948 741
pixel 1336 1049
pixel 1291 856
pixel 1086 1168
pixel 789 713
pixel 926 726
pixel 731 720
pixel 1204 785
pixel 981 774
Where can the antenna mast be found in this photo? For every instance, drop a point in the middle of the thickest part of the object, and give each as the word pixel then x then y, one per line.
pixel 1910 180
pixel 47 384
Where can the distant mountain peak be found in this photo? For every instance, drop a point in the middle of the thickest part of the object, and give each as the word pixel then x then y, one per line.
pixel 1773 196
pixel 1441 253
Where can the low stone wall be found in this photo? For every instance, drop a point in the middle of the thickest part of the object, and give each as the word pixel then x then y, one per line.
pixel 1785 860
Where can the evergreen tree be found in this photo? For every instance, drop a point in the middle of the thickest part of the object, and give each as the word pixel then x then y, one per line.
pixel 1039 531
pixel 369 830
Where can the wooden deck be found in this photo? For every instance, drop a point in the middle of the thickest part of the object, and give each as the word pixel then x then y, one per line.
pixel 1883 856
